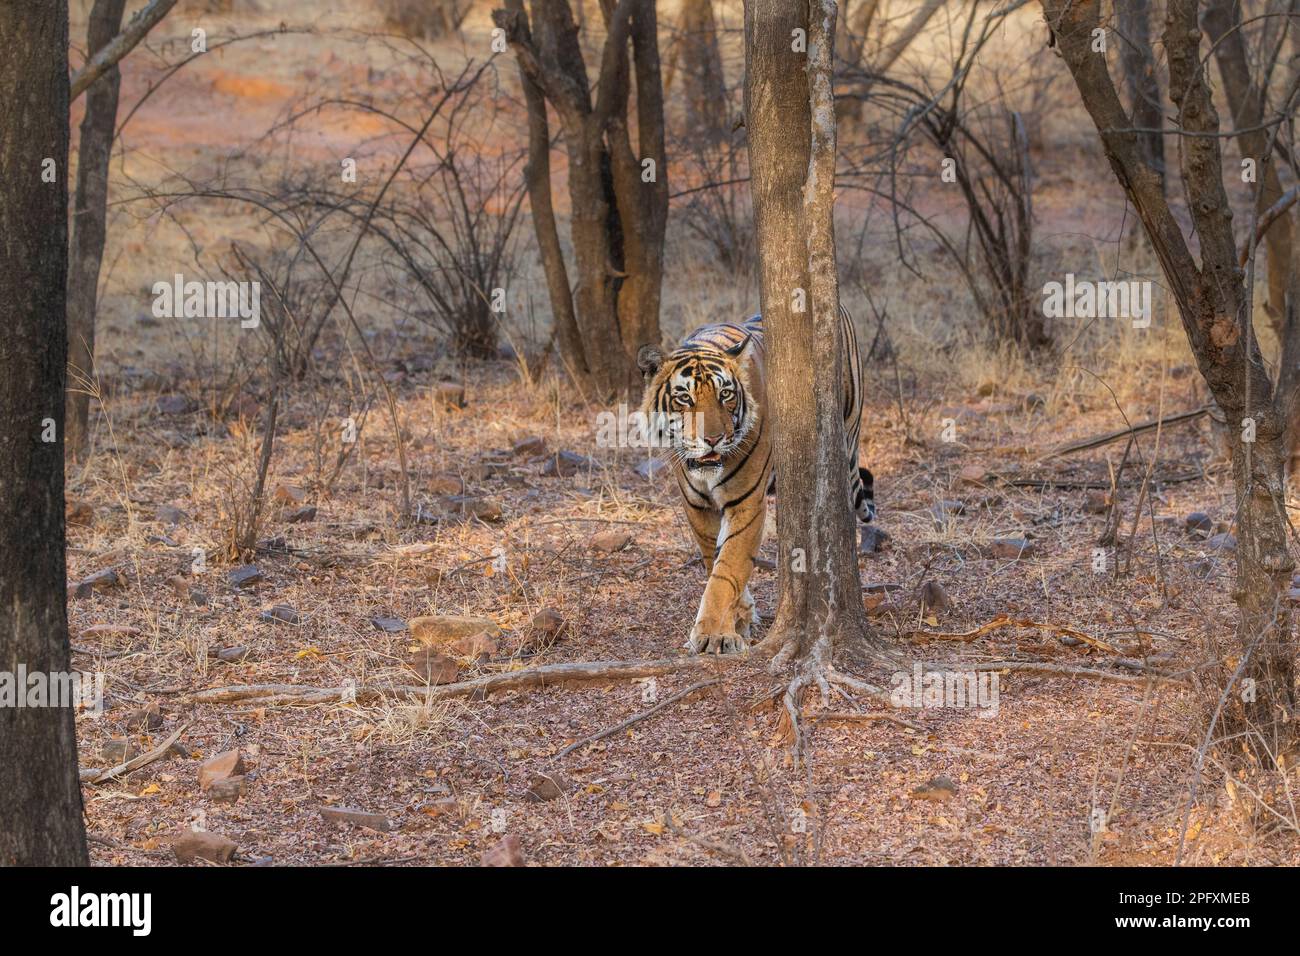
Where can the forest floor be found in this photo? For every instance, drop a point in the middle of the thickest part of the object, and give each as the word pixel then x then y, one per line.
pixel 1065 770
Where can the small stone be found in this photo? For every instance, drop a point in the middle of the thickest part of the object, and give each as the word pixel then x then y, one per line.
pixel 228 790
pixel 78 514
pixel 99 581
pixel 1221 542
pixel 148 717
pixel 244 575
pixel 231 655
pixel 879 605
pixel 1199 524
pixel 544 787
pixel 608 542
pixel 449 395
pixel 944 511
pixel 1011 548
pixel 444 630
pixel 281 613
pixel 202 845
pixel 934 599
pixel 472 506
pixel 972 474
pixel 389 625
pixel 547 626
pixel 765 564
pixel 529 447
pixel 446 485
pixel 432 667
pixel 301 515
pixel 508 852
pixel 651 468
pixel 170 514
pixel 174 404
pixel 871 539
pixel 566 464
pixel 476 646
pixel 221 767
pixel 936 789
pixel 1096 502
pixel 360 818
pixel 118 751
pixel 290 495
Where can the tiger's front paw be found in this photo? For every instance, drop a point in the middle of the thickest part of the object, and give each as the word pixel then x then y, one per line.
pixel 704 640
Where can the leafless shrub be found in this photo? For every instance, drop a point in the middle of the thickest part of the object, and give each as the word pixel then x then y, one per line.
pixel 425 19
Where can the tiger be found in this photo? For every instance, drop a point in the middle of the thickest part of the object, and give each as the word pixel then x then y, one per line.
pixel 708 397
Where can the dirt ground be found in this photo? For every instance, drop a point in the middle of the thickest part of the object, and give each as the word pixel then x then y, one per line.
pixel 1086 769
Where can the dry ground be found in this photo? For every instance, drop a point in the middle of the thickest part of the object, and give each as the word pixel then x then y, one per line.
pixel 709 779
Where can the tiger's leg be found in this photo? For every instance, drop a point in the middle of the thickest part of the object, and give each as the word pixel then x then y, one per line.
pixel 726 595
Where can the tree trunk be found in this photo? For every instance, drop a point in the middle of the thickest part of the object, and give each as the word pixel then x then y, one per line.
pixel 1215 313
pixel 89 224
pixel 40 797
pixel 697 57
pixel 790 120
pixel 1137 61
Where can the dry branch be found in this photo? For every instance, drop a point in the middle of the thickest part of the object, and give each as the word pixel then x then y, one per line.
pixel 135 763
pixel 122 44
pixel 1098 440
pixel 637 718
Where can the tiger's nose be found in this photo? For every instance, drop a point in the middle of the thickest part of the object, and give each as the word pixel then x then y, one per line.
pixel 713 441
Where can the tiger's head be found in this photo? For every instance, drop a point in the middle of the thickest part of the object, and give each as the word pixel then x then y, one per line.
pixel 699 402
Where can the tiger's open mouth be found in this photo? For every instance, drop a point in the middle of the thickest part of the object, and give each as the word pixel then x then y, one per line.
pixel 711 460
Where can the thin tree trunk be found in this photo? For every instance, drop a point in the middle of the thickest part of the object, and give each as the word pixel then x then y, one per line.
pixel 89 223
pixel 40 797
pixel 1137 61
pixel 704 85
pixel 790 120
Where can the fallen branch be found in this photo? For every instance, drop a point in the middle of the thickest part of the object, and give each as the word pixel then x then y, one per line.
pixel 637 718
pixel 549 675
pixel 135 763
pixel 1059 670
pixel 1099 440
pixel 858 717
pixel 1003 620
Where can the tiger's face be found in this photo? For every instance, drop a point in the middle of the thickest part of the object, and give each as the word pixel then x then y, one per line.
pixel 701 404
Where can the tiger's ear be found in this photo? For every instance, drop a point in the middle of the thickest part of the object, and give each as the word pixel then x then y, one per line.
pixel 741 348
pixel 648 359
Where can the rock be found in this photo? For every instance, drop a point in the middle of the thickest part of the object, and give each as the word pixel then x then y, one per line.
pixel 529 447
pixel 389 625
pixel 472 506
pixel 871 539
pixel 281 613
pixel 99 581
pixel 174 404
pixel 608 542
pixel 170 514
pixel 1033 401
pixel 945 511
pixel 445 630
pixel 230 655
pixel 243 576
pixel 118 751
pixel 986 388
pixel 508 852
pixel 972 475
pixel 449 395
pixel 301 515
pixel 566 464
pixel 765 564
pixel 201 845
pixel 934 599
pixel 78 514
pixel 1096 502
pixel 1222 542
pixel 651 468
pixel 547 626
pixel 148 717
pixel 290 495
pixel 544 787
pixel 1293 595
pixel 1011 548
pixel 228 790
pixel 221 767
pixel 476 645
pixel 936 789
pixel 1198 524
pixel 360 818
pixel 446 485
pixel 432 667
